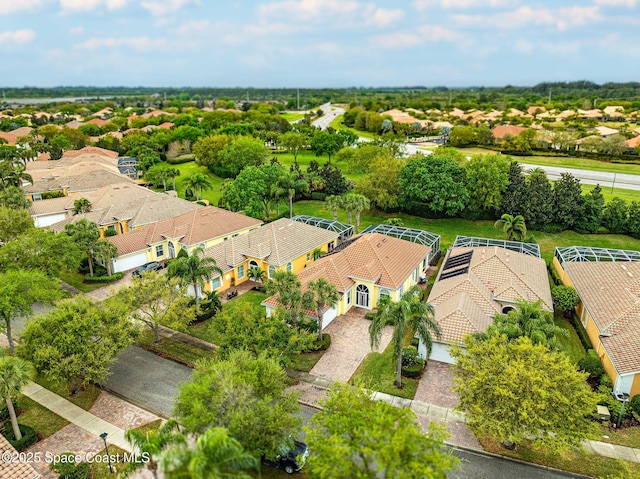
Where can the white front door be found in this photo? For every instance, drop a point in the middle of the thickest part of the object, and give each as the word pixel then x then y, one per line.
pixel 362 296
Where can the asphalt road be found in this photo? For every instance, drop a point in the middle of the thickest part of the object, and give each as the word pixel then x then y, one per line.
pixel 330 112
pixel 592 177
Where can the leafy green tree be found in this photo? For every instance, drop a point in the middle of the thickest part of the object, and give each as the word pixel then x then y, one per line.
pixel 568 199
pixel 487 179
pixel 462 136
pixel 245 394
pixel 324 143
pixel 615 216
pixel 355 436
pixel 85 234
pixel 63 345
pixel 252 189
pixel 198 182
pixel 540 205
pixel 288 184
pixel 530 320
pixel 294 142
pixel 41 250
pixel 514 227
pixel 216 455
pixel 364 155
pixel 436 181
pixel 565 299
pixel 207 150
pixel 19 289
pixel 333 203
pixel 633 224
pixel 81 205
pixel 516 391
pixel 515 197
pixel 408 314
pixel 157 301
pixel 13 197
pixel 332 181
pixel 77 139
pixel 382 183
pixel 320 297
pixel 243 152
pixel 359 203
pixel 193 269
pixel 152 444
pixel 60 143
pixel 13 223
pixel 14 375
pixel 591 213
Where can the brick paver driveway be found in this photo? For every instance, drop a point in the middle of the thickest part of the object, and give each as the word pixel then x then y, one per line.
pixel 349 346
pixel 435 385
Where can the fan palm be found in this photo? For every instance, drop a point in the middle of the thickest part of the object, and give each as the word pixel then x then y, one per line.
pixel 320 296
pixel 105 251
pixel 85 233
pixel 359 203
pixel 81 205
pixel 514 227
pixel 288 184
pixel 193 269
pixel 14 374
pixel 287 285
pixel 198 182
pixel 410 313
pixel 334 203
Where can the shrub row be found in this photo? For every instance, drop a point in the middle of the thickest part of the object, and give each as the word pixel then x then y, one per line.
pixel 591 364
pixel 29 436
pixel 103 279
pixel 582 333
pixel 179 160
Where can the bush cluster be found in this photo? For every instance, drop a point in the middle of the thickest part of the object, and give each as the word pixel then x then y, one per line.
pixel 103 279
pixel 591 364
pixel 412 363
pixel 70 469
pixel 324 344
pixel 29 436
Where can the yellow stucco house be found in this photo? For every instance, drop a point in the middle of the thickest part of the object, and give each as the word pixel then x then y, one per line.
pixel 608 284
pixel 284 244
pixel 365 268
pixel 163 240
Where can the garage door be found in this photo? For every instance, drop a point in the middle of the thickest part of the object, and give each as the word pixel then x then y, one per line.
pixel 440 352
pixel 124 263
pixel 329 316
pixel 48 220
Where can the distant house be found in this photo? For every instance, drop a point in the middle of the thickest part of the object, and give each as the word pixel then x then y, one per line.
pixel 608 284
pixel 605 131
pixel 501 131
pixel 480 278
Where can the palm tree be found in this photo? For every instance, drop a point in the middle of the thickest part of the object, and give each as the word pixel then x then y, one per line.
pixel 287 286
pixel 193 269
pixel 513 226
pixel 257 274
pixel 410 313
pixel 14 374
pixel 105 251
pixel 172 173
pixel 288 184
pixel 320 296
pixel 317 253
pixel 334 203
pixel 216 455
pixel 198 182
pixel 359 203
pixel 12 173
pixel 81 205
pixel 153 443
pixel 349 203
pixel 85 233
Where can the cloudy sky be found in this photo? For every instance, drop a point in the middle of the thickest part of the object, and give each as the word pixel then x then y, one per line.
pixel 315 43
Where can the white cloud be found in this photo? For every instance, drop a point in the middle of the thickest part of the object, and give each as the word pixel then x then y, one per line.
pixel 76 31
pixel 382 17
pixel 133 43
pixel 88 5
pixel 13 6
pixel 561 18
pixel 424 35
pixel 422 5
pixel 617 3
pixel 16 36
pixel 165 7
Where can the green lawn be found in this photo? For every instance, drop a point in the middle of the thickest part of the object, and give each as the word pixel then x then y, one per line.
pixel 172 349
pixel 39 417
pixel 572 344
pixel 100 470
pixel 84 400
pixel 629 437
pixel 291 117
pixel 212 195
pixel 76 279
pixel 626 195
pixel 305 361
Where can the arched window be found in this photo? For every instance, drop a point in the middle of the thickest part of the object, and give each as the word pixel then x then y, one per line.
pixel 289 267
pixel 172 250
pixel 506 309
pixel 362 296
pixel 383 292
pixel 272 270
pixel 253 264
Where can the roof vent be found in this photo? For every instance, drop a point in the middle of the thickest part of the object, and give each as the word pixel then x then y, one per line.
pixel 378 245
pixel 629 274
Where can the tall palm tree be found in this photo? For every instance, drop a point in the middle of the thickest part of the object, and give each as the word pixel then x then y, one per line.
pixel 334 203
pixel 514 227
pixel 198 182
pixel 349 203
pixel 320 297
pixel 287 285
pixel 105 251
pixel 14 374
pixel 288 184
pixel 153 443
pixel 85 233
pixel 173 172
pixel 194 270
pixel 410 313
pixel 216 455
pixel 81 205
pixel 12 173
pixel 359 203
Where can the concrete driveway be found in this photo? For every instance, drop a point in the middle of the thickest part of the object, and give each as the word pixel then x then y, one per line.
pixel 349 346
pixel 147 380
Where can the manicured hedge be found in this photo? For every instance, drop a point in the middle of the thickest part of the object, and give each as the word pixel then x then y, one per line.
pixel 29 436
pixel 103 279
pixel 413 371
pixel 179 160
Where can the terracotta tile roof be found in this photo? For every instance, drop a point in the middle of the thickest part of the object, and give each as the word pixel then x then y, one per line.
pixel 166 125
pixel 616 110
pixel 22 131
pixel 91 180
pixel 278 243
pixel 90 149
pixel 611 293
pixel 191 228
pixel 97 122
pixel 501 131
pixel 14 469
pixel 633 142
pixel 9 137
pixel 495 275
pixel 532 109
pixel 73 124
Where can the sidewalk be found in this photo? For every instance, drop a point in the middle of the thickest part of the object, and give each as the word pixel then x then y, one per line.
pixel 76 415
pixel 313 389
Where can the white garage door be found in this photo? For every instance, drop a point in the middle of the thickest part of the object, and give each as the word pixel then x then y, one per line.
pixel 48 220
pixel 440 352
pixel 123 263
pixel 329 316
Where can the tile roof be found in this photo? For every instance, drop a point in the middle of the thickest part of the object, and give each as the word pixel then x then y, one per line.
pixel 633 142
pixel 91 180
pixel 278 243
pixel 605 130
pixel 501 131
pixel 611 293
pixel 495 275
pixel 9 137
pixel 191 228
pixel 92 150
pixel 14 469
pixel 52 205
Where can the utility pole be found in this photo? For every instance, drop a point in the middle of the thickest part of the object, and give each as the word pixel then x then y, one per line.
pixel 247 96
pixel 549 96
pixel 298 97
pixel 450 94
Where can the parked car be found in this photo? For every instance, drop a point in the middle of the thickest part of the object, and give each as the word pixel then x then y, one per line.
pixel 290 460
pixel 153 266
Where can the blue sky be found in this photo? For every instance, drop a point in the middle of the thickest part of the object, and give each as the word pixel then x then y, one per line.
pixel 316 43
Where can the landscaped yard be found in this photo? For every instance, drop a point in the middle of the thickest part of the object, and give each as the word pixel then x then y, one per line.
pixel 186 169
pixel 84 400
pixel 76 279
pixel 172 348
pixel 39 417
pixel 629 436
pixel 572 344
